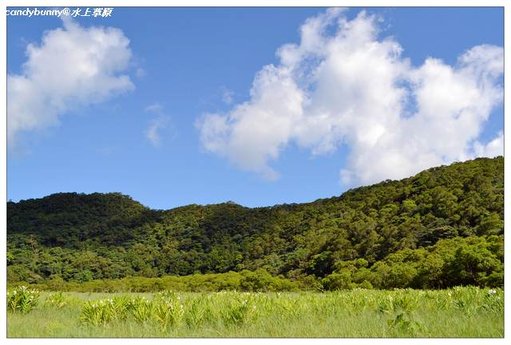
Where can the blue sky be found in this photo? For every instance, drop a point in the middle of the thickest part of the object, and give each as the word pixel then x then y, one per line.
pixel 259 106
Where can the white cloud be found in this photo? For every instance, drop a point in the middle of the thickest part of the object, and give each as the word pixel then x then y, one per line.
pixel 155 108
pixel 72 67
pixel 157 124
pixel 227 96
pixel 254 132
pixel 344 85
pixel 492 149
pixel 140 73
pixel 153 131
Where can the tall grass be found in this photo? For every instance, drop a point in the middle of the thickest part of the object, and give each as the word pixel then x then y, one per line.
pixel 457 312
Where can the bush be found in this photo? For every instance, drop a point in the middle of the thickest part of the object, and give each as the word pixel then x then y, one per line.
pixel 239 311
pixel 56 300
pixel 165 308
pixel 22 299
pixel 338 281
pixel 97 313
pixel 168 310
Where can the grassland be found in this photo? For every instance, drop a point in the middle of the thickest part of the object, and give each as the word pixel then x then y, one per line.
pixel 457 312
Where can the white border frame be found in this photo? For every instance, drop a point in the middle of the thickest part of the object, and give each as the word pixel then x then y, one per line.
pixel 233 3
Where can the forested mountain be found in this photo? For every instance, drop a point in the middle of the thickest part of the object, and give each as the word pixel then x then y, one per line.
pixel 440 228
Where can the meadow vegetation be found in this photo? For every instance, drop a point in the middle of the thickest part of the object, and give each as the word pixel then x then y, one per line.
pixel 456 312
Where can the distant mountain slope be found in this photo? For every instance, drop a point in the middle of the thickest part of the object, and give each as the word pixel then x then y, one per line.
pixel 81 237
pixel 68 219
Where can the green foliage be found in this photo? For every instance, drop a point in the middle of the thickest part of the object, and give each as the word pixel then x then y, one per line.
pixel 198 311
pixel 245 281
pixel 98 313
pixel 165 309
pixel 450 262
pixel 168 310
pixel 338 281
pixel 457 312
pixel 440 228
pixel 239 310
pixel 56 300
pixel 22 299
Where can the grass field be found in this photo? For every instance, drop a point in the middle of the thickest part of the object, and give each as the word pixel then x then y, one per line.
pixel 457 312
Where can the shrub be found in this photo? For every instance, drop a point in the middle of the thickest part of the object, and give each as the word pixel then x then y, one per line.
pixel 239 311
pixel 141 309
pixel 168 310
pixel 56 300
pixel 22 299
pixel 97 313
pixel 338 281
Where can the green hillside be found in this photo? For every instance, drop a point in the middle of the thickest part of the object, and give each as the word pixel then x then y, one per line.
pixel 440 228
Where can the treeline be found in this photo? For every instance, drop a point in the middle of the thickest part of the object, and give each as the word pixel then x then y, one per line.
pixel 440 228
pixel 258 281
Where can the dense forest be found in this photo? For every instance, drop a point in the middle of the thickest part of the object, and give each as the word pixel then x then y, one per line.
pixel 443 227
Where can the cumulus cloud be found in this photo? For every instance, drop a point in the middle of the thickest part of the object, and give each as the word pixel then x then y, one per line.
pixel 492 149
pixel 157 124
pixel 344 85
pixel 73 66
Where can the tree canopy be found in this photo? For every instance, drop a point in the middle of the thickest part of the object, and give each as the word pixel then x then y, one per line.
pixel 440 228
